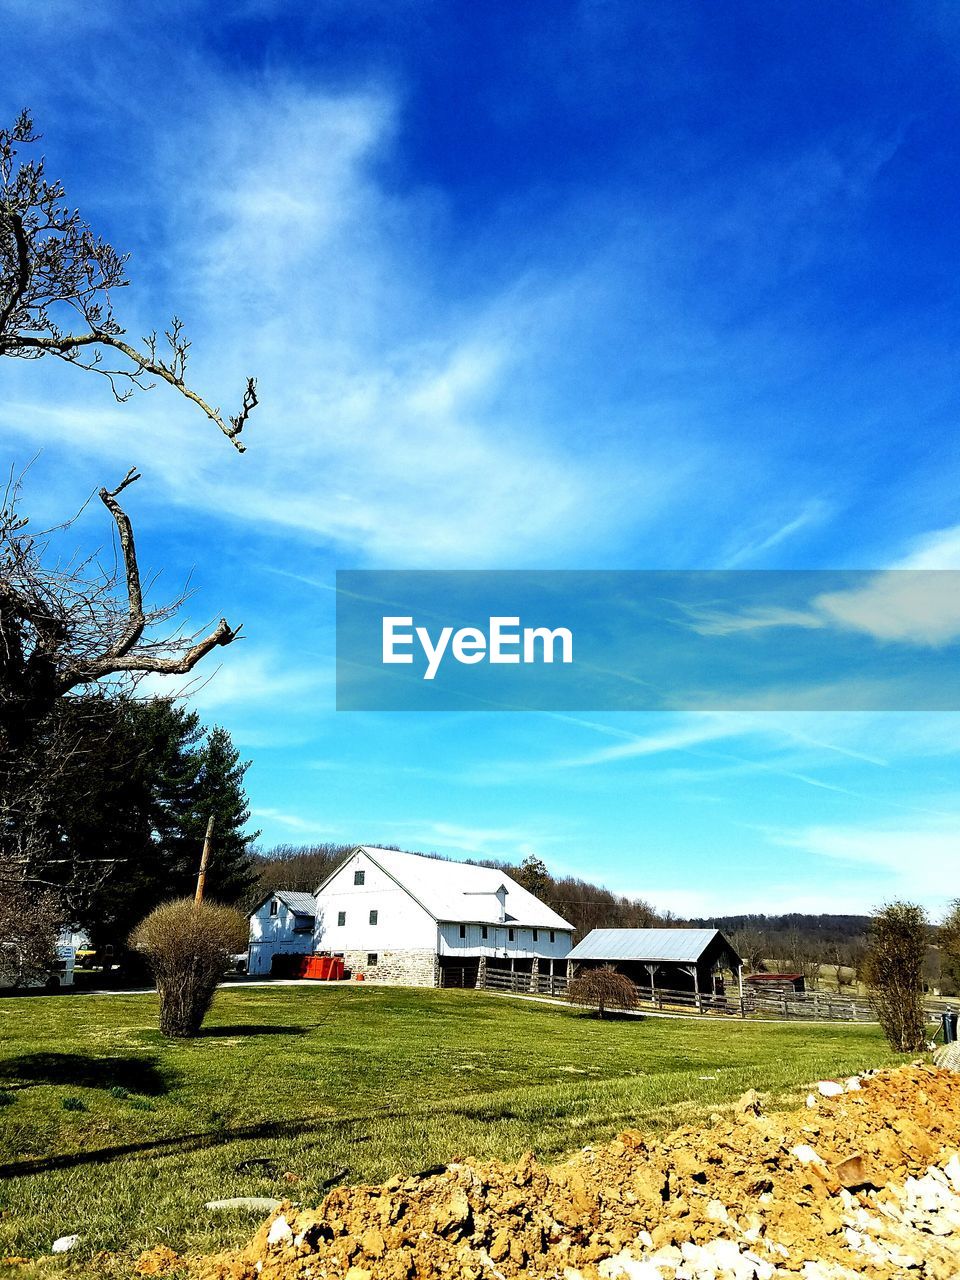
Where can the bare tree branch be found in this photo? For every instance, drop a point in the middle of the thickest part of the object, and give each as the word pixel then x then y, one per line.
pixel 54 272
pixel 137 621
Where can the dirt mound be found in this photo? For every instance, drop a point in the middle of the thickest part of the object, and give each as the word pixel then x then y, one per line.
pixel 860 1182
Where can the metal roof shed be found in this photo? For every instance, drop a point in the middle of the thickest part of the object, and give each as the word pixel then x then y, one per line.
pixel 682 959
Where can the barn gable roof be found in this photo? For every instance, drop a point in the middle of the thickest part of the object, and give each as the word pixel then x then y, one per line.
pixel 301 904
pixel 681 946
pixel 458 892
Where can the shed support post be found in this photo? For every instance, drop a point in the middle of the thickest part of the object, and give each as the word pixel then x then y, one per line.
pixel 743 1012
pixel 535 975
pixel 651 969
pixel 482 973
pixel 696 989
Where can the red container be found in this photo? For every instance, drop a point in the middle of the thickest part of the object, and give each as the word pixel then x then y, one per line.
pixel 320 968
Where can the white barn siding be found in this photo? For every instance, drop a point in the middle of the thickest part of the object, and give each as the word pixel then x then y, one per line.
pixel 498 943
pixel 274 934
pixel 403 939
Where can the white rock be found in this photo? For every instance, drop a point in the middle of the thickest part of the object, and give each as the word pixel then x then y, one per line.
pixel 668 1255
pixel 280 1231
pixel 806 1154
pixel 625 1264
pixel 851 1084
pixel 829 1088
pixel 256 1204
pixel 64 1244
pixel 717 1211
pixel 811 1101
pixel 762 1269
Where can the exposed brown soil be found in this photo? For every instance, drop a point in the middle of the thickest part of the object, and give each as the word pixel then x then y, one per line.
pixel 857 1184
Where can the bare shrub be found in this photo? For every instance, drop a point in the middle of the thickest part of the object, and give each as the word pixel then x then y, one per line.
pixel 604 988
pixel 899 934
pixel 30 920
pixel 188 946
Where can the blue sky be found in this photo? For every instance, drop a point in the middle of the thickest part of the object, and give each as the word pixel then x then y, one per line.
pixel 590 286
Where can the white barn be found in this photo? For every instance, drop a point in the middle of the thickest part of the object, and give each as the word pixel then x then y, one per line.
pixel 406 918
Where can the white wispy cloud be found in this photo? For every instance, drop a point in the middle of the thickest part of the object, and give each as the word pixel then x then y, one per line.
pixel 513 842
pixel 306 828
pixel 395 419
pixel 814 512
pixel 916 601
pixel 244 679
pixel 914 861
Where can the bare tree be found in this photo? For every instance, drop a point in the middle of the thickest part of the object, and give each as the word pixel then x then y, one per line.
pixel 948 938
pixel 56 284
pixel 603 988
pixel 752 946
pixel 30 922
pixel 899 934
pixel 62 629
pixel 66 629
pixel 840 959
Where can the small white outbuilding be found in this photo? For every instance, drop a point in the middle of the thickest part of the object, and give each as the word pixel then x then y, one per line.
pixel 281 924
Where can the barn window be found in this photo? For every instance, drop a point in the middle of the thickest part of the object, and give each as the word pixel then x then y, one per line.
pixel 371 957
pixel 510 935
pixel 483 931
pixel 553 936
pixel 463 931
pixel 359 877
pixel 274 906
pixel 373 917
pixel 341 917
pixel 536 935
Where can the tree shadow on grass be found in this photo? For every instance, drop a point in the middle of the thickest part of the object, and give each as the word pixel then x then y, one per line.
pixel 182 1144
pixel 612 1015
pixel 249 1029
pixel 136 1075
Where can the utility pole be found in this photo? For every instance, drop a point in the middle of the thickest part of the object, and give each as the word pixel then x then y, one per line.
pixel 204 860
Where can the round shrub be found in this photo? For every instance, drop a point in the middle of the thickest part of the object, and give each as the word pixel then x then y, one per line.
pixel 188 946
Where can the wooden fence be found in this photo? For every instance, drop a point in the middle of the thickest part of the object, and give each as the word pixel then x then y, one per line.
pixel 807 1006
pixel 794 1006
pixel 541 984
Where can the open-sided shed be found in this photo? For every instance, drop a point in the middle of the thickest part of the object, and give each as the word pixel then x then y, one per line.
pixel 672 959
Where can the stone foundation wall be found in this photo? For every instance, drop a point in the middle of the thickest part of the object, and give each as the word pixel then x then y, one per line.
pixel 400 968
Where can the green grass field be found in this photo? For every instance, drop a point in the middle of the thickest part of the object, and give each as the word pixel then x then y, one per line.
pixel 112 1132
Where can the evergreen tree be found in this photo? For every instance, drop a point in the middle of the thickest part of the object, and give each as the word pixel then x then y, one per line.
pixel 217 790
pixel 128 817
